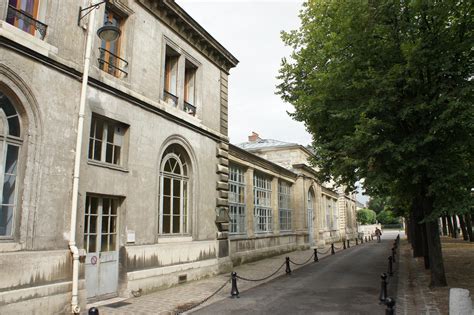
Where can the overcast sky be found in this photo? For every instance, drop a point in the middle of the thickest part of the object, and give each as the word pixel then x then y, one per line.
pixel 250 30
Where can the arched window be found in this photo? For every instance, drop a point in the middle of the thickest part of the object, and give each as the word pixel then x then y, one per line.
pixel 174 188
pixel 10 143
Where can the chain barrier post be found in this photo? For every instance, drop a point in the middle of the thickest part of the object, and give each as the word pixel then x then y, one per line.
pixel 394 252
pixel 383 287
pixel 93 311
pixel 390 310
pixel 234 292
pixel 348 243
pixel 362 240
pixel 390 268
pixel 332 249
pixel 288 269
pixel 357 241
pixel 343 244
pixel 371 237
pixel 316 259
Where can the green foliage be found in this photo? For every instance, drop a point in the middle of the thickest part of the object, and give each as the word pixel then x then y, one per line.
pixel 387 217
pixel 385 88
pixel 366 216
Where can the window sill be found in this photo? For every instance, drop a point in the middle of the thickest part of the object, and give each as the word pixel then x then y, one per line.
pixel 9 245
pixel 25 39
pixel 106 165
pixel 174 239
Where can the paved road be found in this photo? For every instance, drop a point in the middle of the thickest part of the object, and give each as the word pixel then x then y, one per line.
pixel 346 283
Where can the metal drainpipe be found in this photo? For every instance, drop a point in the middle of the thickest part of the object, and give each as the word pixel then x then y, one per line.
pixel 75 308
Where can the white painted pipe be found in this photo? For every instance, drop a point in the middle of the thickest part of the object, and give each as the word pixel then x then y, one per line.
pixel 75 308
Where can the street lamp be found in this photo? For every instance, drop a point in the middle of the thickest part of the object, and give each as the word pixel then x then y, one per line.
pixel 108 32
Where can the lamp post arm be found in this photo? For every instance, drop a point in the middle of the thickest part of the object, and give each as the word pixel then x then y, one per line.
pixel 89 10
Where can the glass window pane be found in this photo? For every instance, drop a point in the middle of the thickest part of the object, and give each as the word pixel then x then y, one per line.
pixel 93 224
pixel 176 205
pixel 7 106
pixel 114 206
pixel 176 188
pixel 91 148
pixel 6 220
pixel 14 126
pixel 99 129
pixel 110 132
pixel 86 224
pixel 112 242
pixel 92 244
pixel 104 243
pixel 108 153
pixel 166 205
pixel 105 206
pixel 176 224
pixel 105 224
pixel 9 190
pixel 166 186
pixel 97 150
pixel 116 155
pixel 113 224
pixel 12 159
pixel 166 224
pixel 94 205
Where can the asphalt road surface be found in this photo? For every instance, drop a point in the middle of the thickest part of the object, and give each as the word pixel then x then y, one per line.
pixel 345 283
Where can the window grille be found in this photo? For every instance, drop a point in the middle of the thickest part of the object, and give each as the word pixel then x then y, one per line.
pixel 262 203
pixel 284 205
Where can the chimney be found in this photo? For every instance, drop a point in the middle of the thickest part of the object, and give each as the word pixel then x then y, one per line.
pixel 254 137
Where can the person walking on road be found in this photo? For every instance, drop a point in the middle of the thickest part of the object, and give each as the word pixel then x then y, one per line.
pixel 378 233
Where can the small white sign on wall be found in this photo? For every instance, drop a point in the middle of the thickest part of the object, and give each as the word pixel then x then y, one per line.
pixel 130 236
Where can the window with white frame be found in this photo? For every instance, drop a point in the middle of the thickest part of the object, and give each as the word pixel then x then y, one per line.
pixel 10 144
pixel 106 140
pixel 237 200
pixel 322 210
pixel 284 205
pixel 262 190
pixel 174 190
pixel 328 213
pixel 334 215
pixel 171 76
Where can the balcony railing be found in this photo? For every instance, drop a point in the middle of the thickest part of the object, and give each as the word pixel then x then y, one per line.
pixel 111 63
pixel 168 97
pixel 25 21
pixel 190 109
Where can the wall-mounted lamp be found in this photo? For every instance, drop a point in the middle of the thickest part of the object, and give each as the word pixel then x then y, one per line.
pixel 108 32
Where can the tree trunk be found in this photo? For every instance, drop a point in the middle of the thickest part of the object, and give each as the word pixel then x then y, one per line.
pixel 408 229
pixel 450 225
pixel 417 235
pixel 445 225
pixel 438 277
pixel 426 250
pixel 455 227
pixel 463 227
pixel 467 217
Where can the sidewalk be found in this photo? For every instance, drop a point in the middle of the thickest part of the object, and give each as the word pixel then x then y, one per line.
pixel 415 296
pixel 181 297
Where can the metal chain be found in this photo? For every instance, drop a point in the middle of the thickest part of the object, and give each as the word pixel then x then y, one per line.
pixel 301 264
pixel 203 301
pixel 324 253
pixel 337 248
pixel 256 280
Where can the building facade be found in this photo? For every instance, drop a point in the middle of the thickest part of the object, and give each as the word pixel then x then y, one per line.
pixel 277 204
pixel 151 200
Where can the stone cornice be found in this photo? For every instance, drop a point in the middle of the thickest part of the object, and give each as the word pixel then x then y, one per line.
pixel 170 13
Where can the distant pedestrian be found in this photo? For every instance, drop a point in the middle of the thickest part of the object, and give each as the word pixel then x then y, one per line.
pixel 378 233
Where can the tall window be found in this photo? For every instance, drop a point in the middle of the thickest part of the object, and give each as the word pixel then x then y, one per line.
pixel 171 76
pixel 106 140
pixel 334 216
pixel 100 224
pixel 237 200
pixel 174 190
pixel 329 213
pixel 23 14
pixel 110 60
pixel 284 205
pixel 10 143
pixel 190 88
pixel 262 192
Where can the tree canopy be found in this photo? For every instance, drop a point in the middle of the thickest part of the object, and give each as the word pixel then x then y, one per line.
pixel 366 216
pixel 385 88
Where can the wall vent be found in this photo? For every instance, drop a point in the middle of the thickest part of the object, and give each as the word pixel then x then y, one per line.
pixel 182 278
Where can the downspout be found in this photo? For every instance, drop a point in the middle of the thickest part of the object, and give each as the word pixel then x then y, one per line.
pixel 75 308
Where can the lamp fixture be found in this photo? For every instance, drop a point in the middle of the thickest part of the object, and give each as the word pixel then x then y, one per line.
pixel 109 32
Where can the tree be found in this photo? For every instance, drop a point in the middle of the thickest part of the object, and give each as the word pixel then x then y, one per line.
pixel 387 217
pixel 385 88
pixel 366 216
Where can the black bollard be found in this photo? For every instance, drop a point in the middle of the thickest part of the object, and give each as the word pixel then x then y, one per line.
pixel 288 269
pixel 93 311
pixel 348 244
pixel 394 252
pixel 357 241
pixel 234 292
pixel 332 249
pixel 343 244
pixel 371 237
pixel 390 268
pixel 316 259
pixel 366 239
pixel 362 240
pixel 383 287
pixel 390 310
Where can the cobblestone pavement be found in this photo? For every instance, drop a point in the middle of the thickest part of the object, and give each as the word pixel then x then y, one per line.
pixel 167 301
pixel 414 295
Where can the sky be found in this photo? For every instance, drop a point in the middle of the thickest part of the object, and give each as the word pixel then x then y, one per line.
pixel 250 30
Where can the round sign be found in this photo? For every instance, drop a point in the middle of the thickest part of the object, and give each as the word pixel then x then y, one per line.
pixel 94 260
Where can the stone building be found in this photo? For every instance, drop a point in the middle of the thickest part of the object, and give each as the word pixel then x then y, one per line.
pixel 115 181
pixel 276 203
